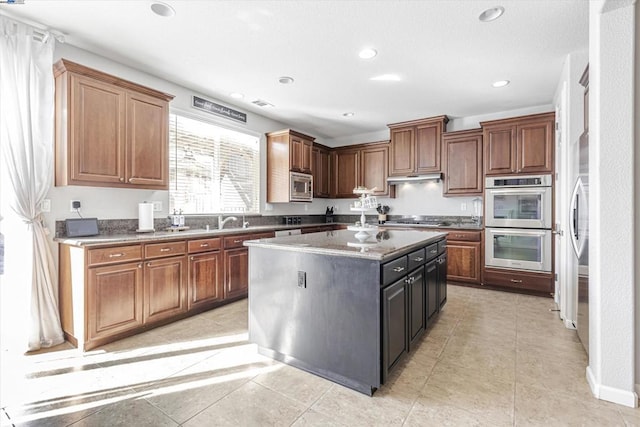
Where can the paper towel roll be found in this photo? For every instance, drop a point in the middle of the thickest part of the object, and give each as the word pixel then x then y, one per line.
pixel 145 216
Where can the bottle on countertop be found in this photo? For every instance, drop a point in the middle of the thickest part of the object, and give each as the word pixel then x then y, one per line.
pixel 180 219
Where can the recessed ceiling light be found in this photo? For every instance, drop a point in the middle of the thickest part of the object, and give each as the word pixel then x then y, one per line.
pixel 500 83
pixel 236 95
pixel 367 53
pixel 349 114
pixel 286 80
pixel 162 9
pixel 387 78
pixel 491 14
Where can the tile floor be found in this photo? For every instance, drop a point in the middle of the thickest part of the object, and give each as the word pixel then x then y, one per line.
pixel 492 358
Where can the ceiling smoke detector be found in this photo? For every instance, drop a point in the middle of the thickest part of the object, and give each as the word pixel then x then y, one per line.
pixel 491 14
pixel 286 80
pixel 367 53
pixel 162 9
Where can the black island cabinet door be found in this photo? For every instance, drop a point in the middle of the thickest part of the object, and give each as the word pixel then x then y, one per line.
pixel 431 280
pixel 394 325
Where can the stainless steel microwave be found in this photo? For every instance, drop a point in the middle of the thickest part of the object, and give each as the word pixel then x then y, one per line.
pixel 300 187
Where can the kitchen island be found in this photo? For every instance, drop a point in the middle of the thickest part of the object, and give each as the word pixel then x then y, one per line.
pixel 348 312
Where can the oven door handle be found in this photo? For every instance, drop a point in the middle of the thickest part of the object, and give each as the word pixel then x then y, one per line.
pixel 518 190
pixel 518 232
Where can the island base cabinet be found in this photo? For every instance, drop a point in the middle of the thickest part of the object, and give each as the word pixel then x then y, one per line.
pixel 431 280
pixel 442 280
pixel 395 300
pixel 114 298
pixel 165 288
pixel 417 323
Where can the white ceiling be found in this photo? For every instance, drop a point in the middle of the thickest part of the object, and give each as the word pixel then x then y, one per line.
pixel 446 57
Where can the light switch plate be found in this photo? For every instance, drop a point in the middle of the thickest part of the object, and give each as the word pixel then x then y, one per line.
pixel 157 205
pixel 45 205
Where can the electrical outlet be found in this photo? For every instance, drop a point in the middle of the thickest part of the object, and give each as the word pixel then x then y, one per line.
pixel 302 279
pixel 157 205
pixel 45 205
pixel 74 205
pixel 463 206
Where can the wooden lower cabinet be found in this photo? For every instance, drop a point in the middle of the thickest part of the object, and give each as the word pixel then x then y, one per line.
pixel 165 288
pixel 110 292
pixel 205 279
pixel 114 299
pixel 463 261
pixel 236 273
pixel 519 280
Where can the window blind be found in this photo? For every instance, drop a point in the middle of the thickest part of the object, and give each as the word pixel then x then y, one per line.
pixel 212 169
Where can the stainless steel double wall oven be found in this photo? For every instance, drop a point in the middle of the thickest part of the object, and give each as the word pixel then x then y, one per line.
pixel 518 218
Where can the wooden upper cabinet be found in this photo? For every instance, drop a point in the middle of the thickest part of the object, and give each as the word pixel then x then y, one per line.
pixel 320 167
pixel 519 145
pixel 415 146
pixel 462 163
pixel 287 151
pixel 109 132
pixel 360 165
pixel 345 165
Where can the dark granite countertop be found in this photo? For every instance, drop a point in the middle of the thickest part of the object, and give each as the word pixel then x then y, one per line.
pixel 386 244
pixel 453 226
pixel 111 239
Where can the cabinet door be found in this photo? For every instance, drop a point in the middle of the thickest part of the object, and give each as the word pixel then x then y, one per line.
pixel 535 147
pixel 442 281
pixel 320 170
pixel 147 141
pixel 431 280
pixel 463 261
pixel 462 165
pixel 416 305
pixel 236 273
pixel 97 140
pixel 307 147
pixel 402 156
pixel 296 149
pixel 394 325
pixel 205 279
pixel 427 151
pixel 345 173
pixel 373 169
pixel 165 286
pixel 114 299
pixel 499 150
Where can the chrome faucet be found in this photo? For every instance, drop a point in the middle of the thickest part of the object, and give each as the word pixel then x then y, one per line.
pixel 245 224
pixel 222 222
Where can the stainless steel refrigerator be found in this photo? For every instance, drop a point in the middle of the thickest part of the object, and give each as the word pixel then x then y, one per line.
pixel 580 238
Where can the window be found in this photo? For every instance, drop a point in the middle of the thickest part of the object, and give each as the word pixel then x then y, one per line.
pixel 212 169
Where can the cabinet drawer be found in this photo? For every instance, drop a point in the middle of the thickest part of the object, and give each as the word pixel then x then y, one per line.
pixel 203 245
pixel 442 246
pixel 113 255
pixel 541 282
pixel 432 251
pixel 237 241
pixel 155 250
pixel 394 270
pixel 467 236
pixel 416 259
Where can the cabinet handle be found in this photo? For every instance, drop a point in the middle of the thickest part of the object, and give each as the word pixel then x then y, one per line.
pixel 148 264
pixel 398 269
pixel 418 259
pixel 116 255
pixel 459 236
pixel 165 249
pixel 204 245
pixel 516 281
pixel 192 258
pixel 140 265
pixel 121 179
pixel 130 180
pixel 237 241
pixel 433 251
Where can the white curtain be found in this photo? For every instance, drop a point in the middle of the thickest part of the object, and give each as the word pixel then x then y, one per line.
pixel 26 134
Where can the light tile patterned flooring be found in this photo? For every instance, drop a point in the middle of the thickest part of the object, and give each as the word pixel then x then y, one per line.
pixel 492 358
